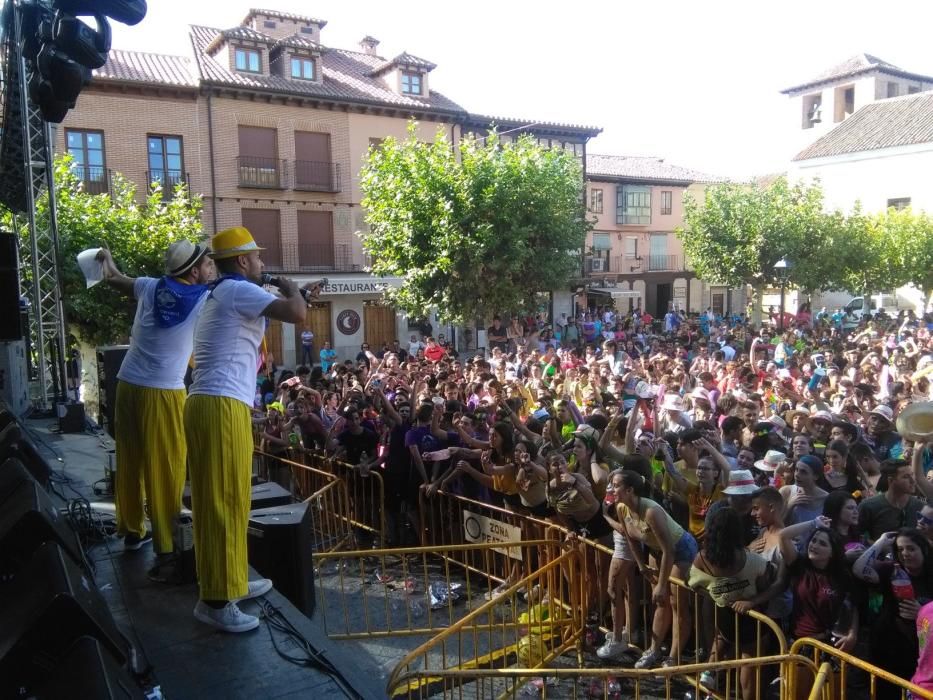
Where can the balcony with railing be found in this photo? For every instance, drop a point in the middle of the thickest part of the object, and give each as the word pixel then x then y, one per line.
pixel 316 176
pixel 314 257
pixel 167 179
pixel 265 173
pixel 664 263
pixel 628 265
pixel 94 178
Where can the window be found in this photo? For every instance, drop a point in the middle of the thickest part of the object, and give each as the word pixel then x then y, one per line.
pixel 269 24
pixel 892 89
pixel 258 162
pixel 812 110
pixel 899 203
pixel 912 90
pixel 633 205
pixel 411 83
pixel 601 241
pixel 316 239
pixel 265 226
pixel 667 200
pixel 631 247
pixel 247 60
pixel 165 162
pixel 87 150
pixel 307 30
pixel 596 201
pixel 303 68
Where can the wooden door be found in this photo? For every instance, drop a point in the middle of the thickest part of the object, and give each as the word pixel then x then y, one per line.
pixel 317 318
pixel 378 324
pixel 274 342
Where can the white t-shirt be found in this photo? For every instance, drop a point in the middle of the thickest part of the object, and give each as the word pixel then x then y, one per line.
pixel 227 338
pixel 158 357
pixel 414 347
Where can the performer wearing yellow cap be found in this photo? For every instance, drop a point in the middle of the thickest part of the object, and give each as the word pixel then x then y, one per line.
pixel 151 395
pixel 218 424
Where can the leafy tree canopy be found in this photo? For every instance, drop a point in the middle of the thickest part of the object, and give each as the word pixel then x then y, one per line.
pixel 136 233
pixel 475 229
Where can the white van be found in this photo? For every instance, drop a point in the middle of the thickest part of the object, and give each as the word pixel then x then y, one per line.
pixel 877 302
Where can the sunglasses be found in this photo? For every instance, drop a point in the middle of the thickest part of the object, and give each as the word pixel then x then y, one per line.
pixel 924 520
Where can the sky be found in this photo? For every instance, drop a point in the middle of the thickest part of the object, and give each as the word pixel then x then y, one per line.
pixel 696 83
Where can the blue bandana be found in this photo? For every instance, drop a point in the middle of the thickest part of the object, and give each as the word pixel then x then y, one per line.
pixel 175 301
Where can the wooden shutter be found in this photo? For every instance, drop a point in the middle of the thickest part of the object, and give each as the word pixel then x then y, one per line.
pixel 313 169
pixel 378 324
pixel 274 342
pixel 316 239
pixel 258 142
pixel 264 224
pixel 311 145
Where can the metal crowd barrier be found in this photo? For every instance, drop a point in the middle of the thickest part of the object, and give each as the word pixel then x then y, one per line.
pixel 370 593
pixel 366 493
pixel 520 626
pixel 841 666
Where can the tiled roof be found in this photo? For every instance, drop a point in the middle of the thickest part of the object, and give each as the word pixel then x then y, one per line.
pixel 856 65
pixel 643 168
pixel 287 16
pixel 403 60
pixel 297 41
pixel 346 78
pixel 485 121
pixel 899 121
pixel 138 67
pixel 238 33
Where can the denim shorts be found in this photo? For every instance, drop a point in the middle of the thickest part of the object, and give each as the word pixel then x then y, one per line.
pixel 686 549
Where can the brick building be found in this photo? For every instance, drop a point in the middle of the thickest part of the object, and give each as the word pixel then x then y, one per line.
pixel 271 126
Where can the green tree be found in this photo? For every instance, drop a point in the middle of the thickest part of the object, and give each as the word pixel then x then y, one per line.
pixel 474 229
pixel 737 234
pixel 866 258
pixel 137 234
pixel 911 248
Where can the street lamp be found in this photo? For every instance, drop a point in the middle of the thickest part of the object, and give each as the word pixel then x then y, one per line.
pixel 782 267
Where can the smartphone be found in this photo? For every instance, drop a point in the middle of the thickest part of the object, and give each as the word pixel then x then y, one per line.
pixel 293 381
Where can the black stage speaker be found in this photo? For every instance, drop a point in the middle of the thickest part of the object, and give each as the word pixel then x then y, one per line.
pixel 13 444
pixel 13 474
pixel 11 327
pixel 71 417
pixel 263 495
pixel 46 608
pixel 109 360
pixel 88 671
pixel 28 519
pixel 279 544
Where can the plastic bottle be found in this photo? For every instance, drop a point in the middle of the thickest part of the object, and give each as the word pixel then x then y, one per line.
pixel 364 458
pixel 901 586
pixel 843 621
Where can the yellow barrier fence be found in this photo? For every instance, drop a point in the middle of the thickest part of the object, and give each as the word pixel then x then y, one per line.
pixel 842 666
pixel 415 591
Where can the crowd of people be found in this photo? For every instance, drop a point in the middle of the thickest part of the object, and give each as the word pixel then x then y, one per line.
pixel 783 472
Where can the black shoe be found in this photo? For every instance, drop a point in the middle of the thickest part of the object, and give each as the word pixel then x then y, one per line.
pixel 164 571
pixel 133 543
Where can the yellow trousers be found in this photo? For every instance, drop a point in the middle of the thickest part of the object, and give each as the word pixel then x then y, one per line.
pixel 220 436
pixel 150 460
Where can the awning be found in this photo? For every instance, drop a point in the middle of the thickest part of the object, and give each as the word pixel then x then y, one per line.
pixel 615 293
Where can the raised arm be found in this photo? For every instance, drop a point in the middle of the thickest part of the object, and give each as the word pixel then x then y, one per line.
pixel 864 567
pixel 792 532
pixel 112 274
pixel 926 488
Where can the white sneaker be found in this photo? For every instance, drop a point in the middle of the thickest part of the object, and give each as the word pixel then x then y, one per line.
pixel 708 680
pixel 257 588
pixel 228 618
pixel 612 650
pixel 649 659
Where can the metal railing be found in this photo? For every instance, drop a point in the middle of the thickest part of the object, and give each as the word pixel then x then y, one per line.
pixel 317 176
pixel 842 665
pixel 167 179
pixel 94 178
pixel 255 171
pixel 662 263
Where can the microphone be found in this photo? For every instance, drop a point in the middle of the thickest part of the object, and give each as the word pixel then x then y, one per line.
pixel 270 281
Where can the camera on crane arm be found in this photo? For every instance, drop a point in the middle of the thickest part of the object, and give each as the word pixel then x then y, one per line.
pixel 63 49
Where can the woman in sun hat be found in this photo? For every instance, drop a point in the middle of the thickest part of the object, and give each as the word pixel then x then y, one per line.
pixel 767 466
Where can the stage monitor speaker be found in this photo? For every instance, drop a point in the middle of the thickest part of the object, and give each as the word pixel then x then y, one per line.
pixel 13 474
pixel 14 444
pixel 29 519
pixel 46 608
pixel 88 671
pixel 71 417
pixel 109 360
pixel 279 544
pixel 264 495
pixel 11 327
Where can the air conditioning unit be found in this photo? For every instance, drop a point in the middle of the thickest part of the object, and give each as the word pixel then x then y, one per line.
pixel 597 265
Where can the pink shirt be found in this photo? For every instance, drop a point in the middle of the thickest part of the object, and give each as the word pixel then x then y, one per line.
pixel 924 674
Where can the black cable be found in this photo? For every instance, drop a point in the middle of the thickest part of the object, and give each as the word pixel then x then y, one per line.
pixel 312 657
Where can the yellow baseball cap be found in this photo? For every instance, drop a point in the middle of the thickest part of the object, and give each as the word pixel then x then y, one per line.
pixel 232 242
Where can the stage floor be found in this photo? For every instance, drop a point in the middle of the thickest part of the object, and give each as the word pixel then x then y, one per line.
pixel 187 658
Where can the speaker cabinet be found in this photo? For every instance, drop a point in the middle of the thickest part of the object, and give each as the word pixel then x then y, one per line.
pixel 88 671
pixel 264 495
pixel 13 444
pixel 11 327
pixel 70 417
pixel 279 544
pixel 109 359
pixel 28 519
pixel 46 608
pixel 13 474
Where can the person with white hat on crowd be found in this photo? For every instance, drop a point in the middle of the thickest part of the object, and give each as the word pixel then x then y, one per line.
pixel 767 465
pixel 151 449
pixel 880 434
pixel 218 423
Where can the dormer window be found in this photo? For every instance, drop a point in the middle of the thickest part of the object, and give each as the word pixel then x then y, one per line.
pixel 411 83
pixel 303 68
pixel 307 30
pixel 247 60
